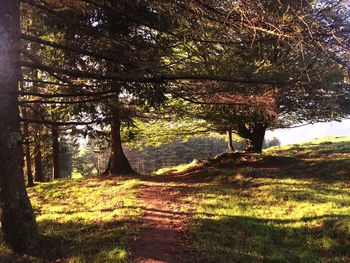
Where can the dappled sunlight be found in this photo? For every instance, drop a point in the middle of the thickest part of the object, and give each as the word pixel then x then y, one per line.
pixel 84 199
pixel 274 207
pixel 279 206
pixel 87 220
pixel 179 168
pixel 95 96
pixel 273 222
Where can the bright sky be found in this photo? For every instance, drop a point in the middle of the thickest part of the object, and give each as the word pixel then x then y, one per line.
pixel 309 132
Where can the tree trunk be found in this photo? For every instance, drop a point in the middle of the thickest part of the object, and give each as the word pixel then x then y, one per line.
pixel 55 153
pixel 39 173
pixel 27 154
pixel 108 168
pixel 26 140
pixel 255 136
pixel 230 142
pixel 17 219
pixel 119 164
pixel 257 140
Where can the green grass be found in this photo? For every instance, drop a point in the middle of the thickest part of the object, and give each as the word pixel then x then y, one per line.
pixel 177 169
pixel 87 220
pixel 290 204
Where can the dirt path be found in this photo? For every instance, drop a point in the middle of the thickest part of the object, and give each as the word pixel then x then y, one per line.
pixel 164 237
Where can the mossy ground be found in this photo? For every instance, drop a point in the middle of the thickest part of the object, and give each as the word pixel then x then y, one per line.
pixel 86 220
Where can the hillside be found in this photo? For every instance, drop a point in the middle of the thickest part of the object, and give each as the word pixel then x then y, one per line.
pixel 289 204
pixel 292 204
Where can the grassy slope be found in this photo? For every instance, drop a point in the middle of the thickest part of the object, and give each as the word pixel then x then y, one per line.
pixel 87 220
pixel 291 204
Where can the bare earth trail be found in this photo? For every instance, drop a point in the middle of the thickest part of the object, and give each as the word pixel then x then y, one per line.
pixel 163 236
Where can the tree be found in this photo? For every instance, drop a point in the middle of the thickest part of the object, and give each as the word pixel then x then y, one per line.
pixel 306 73
pixel 17 219
pixel 272 142
pixel 39 173
pixel 278 45
pixel 55 153
pixel 230 141
pixel 115 33
pixel 26 142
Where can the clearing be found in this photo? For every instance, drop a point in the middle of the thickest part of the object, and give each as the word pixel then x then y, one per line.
pixel 290 204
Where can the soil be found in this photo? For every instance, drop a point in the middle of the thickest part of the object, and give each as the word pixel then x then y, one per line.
pixel 164 236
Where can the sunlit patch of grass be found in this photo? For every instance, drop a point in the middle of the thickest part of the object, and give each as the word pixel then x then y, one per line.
pixel 179 168
pixel 276 220
pixel 295 210
pixel 314 148
pixel 76 174
pixel 88 220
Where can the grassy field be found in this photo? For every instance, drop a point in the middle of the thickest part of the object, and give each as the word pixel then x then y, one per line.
pixel 291 204
pixel 87 220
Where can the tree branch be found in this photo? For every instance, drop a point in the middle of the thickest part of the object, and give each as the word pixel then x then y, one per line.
pixel 65 95
pixel 76 49
pixel 147 79
pixel 55 123
pixel 65 102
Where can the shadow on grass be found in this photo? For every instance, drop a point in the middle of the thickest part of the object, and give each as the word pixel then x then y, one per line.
pixel 290 236
pixel 319 170
pixel 219 238
pixel 78 242
pixel 248 239
pixel 320 165
pixel 82 221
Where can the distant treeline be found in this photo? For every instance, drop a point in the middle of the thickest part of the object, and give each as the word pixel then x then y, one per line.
pixel 150 159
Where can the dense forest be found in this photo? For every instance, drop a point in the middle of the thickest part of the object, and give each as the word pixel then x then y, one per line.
pixel 109 88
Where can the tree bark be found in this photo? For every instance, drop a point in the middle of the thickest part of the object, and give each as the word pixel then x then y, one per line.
pixel 55 153
pixel 230 142
pixel 244 132
pixel 17 219
pixel 257 140
pixel 39 173
pixel 255 135
pixel 119 164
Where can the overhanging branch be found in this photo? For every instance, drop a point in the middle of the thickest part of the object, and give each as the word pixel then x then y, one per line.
pixel 147 79
pixel 56 123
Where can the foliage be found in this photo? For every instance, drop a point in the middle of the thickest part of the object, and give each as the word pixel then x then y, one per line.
pixel 153 158
pixel 154 133
pixel 185 148
pixel 272 142
pixel 67 153
pixel 85 162
pixel 87 61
